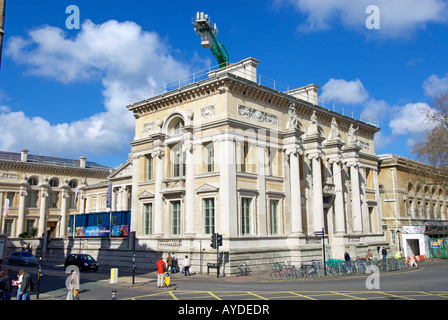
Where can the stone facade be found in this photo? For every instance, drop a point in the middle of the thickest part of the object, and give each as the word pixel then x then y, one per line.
pixel 264 168
pixel 40 191
pixel 413 194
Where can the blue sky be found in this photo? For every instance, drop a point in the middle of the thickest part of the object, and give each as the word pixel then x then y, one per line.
pixel 64 92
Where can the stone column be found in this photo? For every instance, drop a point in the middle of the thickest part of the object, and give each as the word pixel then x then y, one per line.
pixel 42 212
pixel 188 148
pixel 295 191
pixel 22 203
pixel 261 183
pixel 318 205
pixel 63 227
pixel 339 198
pixel 364 209
pixel 228 194
pixel 158 155
pixel 356 199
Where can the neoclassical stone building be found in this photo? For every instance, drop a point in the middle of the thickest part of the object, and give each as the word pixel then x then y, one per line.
pixel 265 168
pixel 414 203
pixel 40 191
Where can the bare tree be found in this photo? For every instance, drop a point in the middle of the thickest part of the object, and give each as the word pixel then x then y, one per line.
pixel 434 147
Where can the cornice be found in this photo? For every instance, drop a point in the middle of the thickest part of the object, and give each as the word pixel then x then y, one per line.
pixel 33 167
pixel 230 83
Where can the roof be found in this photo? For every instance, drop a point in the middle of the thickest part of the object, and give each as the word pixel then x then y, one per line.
pixel 53 161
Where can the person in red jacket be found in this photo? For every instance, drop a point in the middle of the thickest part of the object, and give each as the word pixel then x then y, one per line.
pixel 161 268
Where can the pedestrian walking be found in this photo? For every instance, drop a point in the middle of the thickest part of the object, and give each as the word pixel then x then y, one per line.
pixel 175 264
pixel 169 262
pixel 73 287
pixel 6 284
pixel 369 255
pixel 161 268
pixel 384 253
pixel 187 265
pixel 346 256
pixel 26 286
pixel 18 284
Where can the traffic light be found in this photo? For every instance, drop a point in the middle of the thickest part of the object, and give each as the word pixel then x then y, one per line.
pixel 219 240
pixel 213 244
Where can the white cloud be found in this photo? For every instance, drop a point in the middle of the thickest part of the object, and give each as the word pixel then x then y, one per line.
pixel 435 85
pixel 344 92
pixel 376 110
pixel 127 60
pixel 398 18
pixel 409 119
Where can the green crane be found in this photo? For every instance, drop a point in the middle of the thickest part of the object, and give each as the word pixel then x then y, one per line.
pixel 208 34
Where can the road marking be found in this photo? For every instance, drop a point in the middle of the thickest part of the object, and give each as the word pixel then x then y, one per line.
pixel 394 295
pixel 256 295
pixel 301 295
pixel 172 294
pixel 347 295
pixel 214 296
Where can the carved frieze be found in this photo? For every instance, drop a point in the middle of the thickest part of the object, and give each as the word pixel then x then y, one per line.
pixel 258 115
pixel 208 112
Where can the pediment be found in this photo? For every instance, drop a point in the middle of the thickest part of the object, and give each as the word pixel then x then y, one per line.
pixel 146 194
pixel 206 188
pixel 123 171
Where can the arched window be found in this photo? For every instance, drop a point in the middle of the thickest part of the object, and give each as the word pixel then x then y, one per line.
pixel 54 183
pixel 73 184
pixel 33 181
pixel 177 127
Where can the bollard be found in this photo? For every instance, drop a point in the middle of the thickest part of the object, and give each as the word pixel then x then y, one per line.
pixel 113 275
pixel 114 294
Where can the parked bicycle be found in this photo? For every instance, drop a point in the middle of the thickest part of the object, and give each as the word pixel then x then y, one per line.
pixel 242 270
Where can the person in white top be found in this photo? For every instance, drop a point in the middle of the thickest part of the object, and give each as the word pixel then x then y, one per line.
pixel 187 266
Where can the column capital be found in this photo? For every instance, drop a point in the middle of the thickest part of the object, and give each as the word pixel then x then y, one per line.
pixel 295 150
pixel 159 153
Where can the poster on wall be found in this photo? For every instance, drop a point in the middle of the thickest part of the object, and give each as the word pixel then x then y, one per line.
pixel 97 231
pixel 120 231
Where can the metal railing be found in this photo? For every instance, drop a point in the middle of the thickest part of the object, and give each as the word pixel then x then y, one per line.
pixel 261 80
pixel 315 269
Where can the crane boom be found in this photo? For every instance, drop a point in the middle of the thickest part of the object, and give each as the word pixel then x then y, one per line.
pixel 208 34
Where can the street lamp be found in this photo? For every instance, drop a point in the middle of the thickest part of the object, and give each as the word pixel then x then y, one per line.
pixel 399 241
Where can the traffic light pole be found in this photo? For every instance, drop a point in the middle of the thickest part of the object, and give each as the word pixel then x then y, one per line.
pixel 217 261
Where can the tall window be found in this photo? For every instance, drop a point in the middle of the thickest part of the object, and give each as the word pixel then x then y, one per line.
pixel 8 227
pixel 269 161
pixel 29 225
pixel 148 218
pixel 246 204
pixel 209 215
pixel 210 154
pixel 273 216
pixel 31 199
pixel 178 159
pixel 175 217
pixel 149 168
pixel 245 157
pixel 10 196
pixel 53 199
